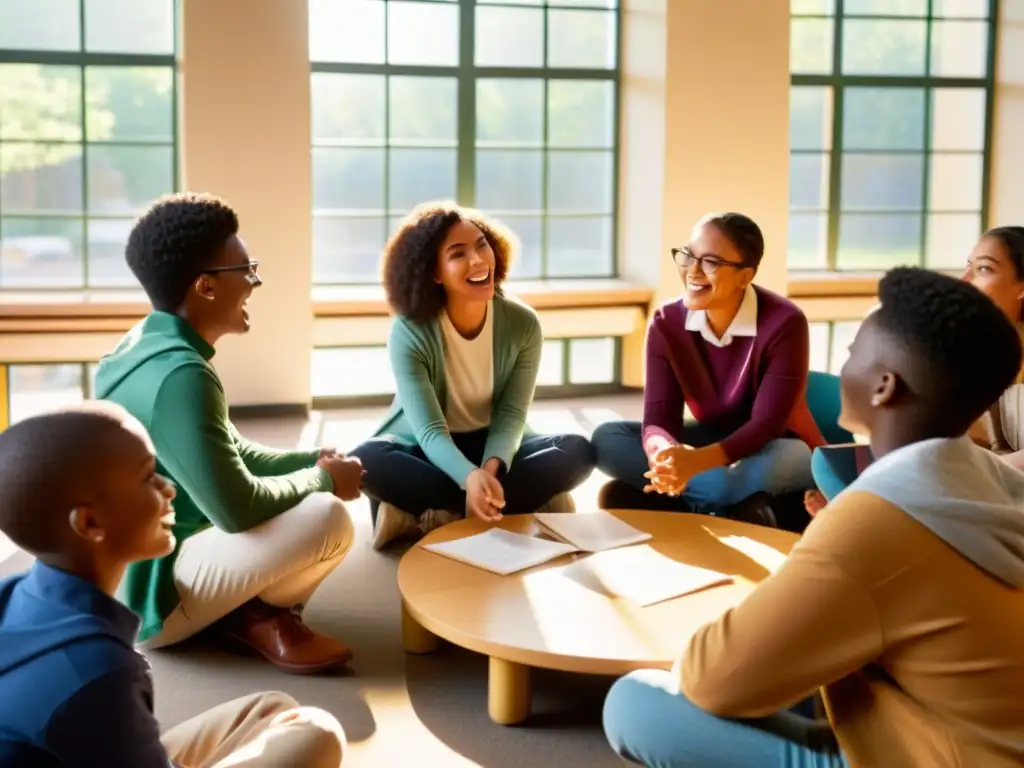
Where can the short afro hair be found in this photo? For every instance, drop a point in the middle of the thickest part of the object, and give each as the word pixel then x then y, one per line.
pixel 409 262
pixel 967 349
pixel 174 241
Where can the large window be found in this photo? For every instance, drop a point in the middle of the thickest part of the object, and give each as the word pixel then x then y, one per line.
pixel 509 106
pixel 890 123
pixel 87 135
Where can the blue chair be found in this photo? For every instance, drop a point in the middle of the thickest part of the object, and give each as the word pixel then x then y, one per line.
pixel 824 401
pixel 836 465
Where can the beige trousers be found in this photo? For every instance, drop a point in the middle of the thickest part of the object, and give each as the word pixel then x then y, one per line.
pixel 264 730
pixel 281 561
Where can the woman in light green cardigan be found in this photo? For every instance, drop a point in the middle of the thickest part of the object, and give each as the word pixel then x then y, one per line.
pixel 465 362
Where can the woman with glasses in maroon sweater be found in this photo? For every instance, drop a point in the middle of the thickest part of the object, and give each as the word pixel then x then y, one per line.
pixel 737 356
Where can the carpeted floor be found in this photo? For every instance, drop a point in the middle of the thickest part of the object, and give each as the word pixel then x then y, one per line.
pixel 400 710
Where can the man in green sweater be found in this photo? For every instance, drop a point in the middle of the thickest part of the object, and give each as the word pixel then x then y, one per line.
pixel 257 529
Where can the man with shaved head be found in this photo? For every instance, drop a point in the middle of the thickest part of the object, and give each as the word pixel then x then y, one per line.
pixel 79 490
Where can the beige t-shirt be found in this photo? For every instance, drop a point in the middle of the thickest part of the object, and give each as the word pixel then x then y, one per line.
pixel 469 368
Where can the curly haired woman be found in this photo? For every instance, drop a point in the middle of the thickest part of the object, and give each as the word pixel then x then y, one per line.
pixel 465 361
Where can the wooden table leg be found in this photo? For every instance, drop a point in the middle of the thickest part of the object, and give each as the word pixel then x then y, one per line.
pixel 509 697
pixel 416 639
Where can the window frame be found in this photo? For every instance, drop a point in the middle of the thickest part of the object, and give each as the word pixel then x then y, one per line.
pixel 82 59
pixel 466 74
pixel 838 82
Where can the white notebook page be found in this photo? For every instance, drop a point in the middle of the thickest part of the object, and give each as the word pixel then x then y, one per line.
pixel 641 575
pixel 500 551
pixel 591 532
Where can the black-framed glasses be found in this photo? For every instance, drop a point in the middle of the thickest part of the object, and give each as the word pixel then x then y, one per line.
pixel 706 264
pixel 250 269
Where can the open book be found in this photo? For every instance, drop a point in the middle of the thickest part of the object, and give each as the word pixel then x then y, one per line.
pixel 641 575
pixel 590 532
pixel 500 551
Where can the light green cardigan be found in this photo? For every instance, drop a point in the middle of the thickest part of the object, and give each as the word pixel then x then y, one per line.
pixel 416 350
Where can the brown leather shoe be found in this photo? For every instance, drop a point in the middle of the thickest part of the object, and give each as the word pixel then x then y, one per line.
pixel 280 636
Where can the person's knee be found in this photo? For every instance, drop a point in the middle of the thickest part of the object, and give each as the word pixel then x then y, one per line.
pixel 328 521
pixel 628 705
pixel 788 466
pixel 607 442
pixel 270 704
pixel 580 456
pixel 308 736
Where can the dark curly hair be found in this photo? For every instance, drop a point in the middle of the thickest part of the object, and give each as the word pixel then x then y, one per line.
pixel 742 232
pixel 409 262
pixel 174 241
pixel 967 348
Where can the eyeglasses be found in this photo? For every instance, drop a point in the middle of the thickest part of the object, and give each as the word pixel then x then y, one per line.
pixel 706 264
pixel 250 269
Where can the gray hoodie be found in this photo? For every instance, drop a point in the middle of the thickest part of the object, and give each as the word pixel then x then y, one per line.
pixel 964 494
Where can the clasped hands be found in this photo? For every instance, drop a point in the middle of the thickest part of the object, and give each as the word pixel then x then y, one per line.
pixel 485 497
pixel 346 471
pixel 672 467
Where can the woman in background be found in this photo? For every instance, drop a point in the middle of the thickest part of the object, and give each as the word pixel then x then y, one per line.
pixel 465 361
pixel 737 356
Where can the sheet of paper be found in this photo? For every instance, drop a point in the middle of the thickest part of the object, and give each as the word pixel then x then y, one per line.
pixel 500 551
pixel 641 575
pixel 591 532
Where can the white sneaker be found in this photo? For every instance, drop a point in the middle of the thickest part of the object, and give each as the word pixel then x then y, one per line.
pixel 562 503
pixel 435 518
pixel 393 523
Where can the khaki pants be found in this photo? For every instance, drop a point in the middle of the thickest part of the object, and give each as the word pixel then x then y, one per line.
pixel 264 730
pixel 281 561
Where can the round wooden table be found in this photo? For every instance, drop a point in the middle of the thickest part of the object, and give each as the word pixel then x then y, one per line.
pixel 541 618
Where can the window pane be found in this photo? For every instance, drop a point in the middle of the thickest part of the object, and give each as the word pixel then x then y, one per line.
pixel 129 103
pixel 843 335
pixel 959 48
pixel 958 118
pixel 332 372
pixel 550 371
pixel 885 7
pixel 581 113
pixel 883 118
pixel 810 46
pixel 580 182
pixel 812 7
pixel 955 183
pixel 951 236
pixel 40 25
pixel 107 241
pixel 883 47
pixel 526 265
pixel 584 39
pixel 417 175
pixel 40 253
pixel 972 9
pixel 40 178
pixel 509 37
pixel 129 26
pixel 591 361
pixel 510 112
pixel 880 242
pixel 808 181
pixel 127 179
pixel 882 182
pixel 509 180
pixel 808 241
pixel 810 117
pixel 36 389
pixel 349 31
pixel 347 249
pixel 347 107
pixel 349 179
pixel 423 109
pixel 580 247
pixel 820 333
pixel 40 102
pixel 423 34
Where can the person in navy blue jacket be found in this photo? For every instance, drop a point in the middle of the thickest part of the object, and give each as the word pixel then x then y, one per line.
pixel 80 490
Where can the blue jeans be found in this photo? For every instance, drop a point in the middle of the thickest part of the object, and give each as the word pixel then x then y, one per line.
pixel 648 724
pixel 782 466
